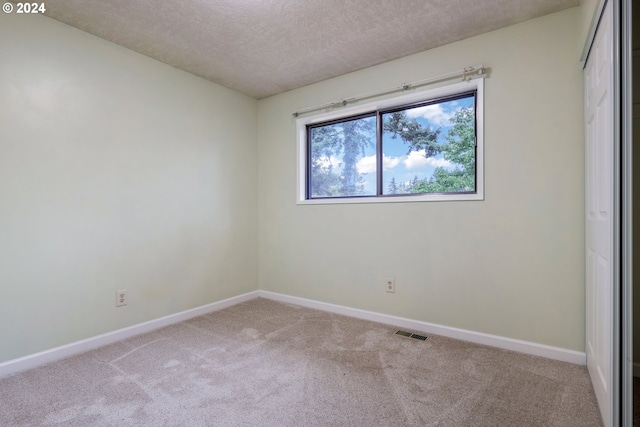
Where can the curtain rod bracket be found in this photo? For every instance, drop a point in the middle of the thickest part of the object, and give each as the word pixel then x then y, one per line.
pixel 468 72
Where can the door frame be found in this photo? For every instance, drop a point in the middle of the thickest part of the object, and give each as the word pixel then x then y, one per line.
pixel 625 89
pixel 621 398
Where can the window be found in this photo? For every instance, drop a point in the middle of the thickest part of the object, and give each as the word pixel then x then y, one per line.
pixel 419 147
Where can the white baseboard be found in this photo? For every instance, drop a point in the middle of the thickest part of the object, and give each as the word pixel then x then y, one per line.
pixel 527 347
pixel 33 360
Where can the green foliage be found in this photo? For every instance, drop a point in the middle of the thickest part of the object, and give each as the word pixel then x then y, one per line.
pixel 412 133
pixel 393 187
pixel 357 136
pixel 325 141
pixel 345 141
pixel 459 149
pixel 444 181
pixel 461 140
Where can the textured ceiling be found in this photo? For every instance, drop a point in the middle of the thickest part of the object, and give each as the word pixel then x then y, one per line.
pixel 265 47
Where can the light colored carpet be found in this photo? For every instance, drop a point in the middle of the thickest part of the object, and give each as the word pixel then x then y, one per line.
pixel 264 363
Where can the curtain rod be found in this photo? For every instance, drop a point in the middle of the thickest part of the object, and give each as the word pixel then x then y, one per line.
pixel 467 73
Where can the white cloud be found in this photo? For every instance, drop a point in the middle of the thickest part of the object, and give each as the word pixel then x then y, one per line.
pixel 434 113
pixel 389 162
pixel 368 164
pixel 417 160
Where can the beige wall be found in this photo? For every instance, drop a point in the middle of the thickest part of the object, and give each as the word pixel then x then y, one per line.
pixel 589 14
pixel 511 265
pixel 116 172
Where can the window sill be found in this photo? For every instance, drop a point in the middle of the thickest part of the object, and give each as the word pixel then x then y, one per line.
pixel 394 199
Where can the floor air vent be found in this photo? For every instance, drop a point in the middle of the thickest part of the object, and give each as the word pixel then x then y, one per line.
pixel 410 335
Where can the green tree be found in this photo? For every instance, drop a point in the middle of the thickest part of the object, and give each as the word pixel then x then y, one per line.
pixel 416 136
pixel 324 143
pixel 357 136
pixel 393 187
pixel 459 149
pixel 346 141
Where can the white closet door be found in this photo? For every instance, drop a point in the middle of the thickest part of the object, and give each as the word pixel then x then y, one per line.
pixel 599 136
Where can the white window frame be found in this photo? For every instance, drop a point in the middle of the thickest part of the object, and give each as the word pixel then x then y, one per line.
pixel 414 97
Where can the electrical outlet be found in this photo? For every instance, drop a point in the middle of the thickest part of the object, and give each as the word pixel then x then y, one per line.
pixel 121 298
pixel 391 284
